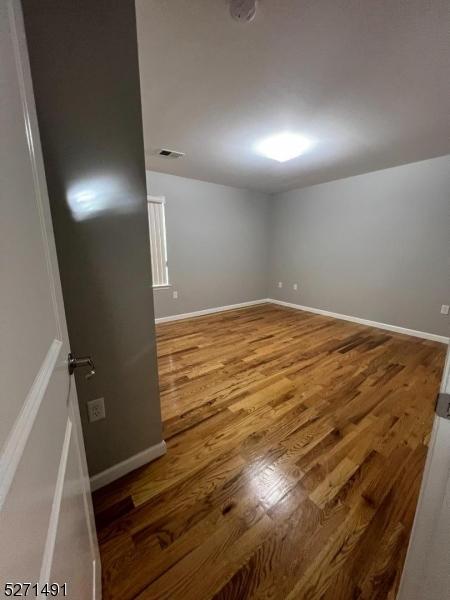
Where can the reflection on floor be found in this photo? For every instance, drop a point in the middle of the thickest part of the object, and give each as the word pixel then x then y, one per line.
pixel 296 445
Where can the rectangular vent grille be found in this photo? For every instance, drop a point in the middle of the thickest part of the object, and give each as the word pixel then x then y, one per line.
pixel 166 153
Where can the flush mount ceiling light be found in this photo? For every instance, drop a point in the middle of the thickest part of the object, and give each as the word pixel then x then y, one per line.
pixel 283 146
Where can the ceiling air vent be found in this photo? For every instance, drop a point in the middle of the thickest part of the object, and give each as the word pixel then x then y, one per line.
pixel 166 153
pixel 243 10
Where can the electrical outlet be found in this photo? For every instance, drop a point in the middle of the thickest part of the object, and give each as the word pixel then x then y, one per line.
pixel 445 309
pixel 280 284
pixel 96 409
pixel 175 294
pixel 295 286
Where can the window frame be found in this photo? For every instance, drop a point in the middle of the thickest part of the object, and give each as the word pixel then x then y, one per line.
pixel 162 201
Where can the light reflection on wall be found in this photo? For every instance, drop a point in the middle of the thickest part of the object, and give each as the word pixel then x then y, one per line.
pixel 91 197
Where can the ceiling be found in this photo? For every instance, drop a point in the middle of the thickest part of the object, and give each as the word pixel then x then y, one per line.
pixel 367 80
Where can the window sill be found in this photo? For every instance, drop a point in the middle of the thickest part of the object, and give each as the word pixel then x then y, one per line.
pixel 162 287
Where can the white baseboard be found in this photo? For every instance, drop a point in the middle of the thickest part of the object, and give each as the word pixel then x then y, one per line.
pixel 396 328
pixel 405 331
pixel 128 465
pixel 209 311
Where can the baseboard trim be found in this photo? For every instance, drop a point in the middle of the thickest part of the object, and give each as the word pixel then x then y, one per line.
pixel 404 330
pixel 126 466
pixel 209 311
pixel 327 313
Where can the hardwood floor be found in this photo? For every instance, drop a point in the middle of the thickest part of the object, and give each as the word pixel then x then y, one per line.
pixel 296 445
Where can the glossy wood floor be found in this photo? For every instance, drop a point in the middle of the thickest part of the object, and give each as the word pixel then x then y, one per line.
pixel 296 445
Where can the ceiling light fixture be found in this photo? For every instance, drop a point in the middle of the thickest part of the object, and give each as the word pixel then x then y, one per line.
pixel 283 146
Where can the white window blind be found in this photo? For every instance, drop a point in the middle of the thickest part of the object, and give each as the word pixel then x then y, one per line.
pixel 158 248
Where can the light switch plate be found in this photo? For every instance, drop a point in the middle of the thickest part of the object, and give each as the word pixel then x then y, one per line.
pixel 445 309
pixel 280 284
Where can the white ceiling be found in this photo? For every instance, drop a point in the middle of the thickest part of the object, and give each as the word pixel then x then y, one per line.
pixel 368 80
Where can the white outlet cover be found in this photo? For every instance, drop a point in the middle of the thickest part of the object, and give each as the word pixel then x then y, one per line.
pixel 175 294
pixel 96 409
pixel 445 308
pixel 280 284
pixel 295 286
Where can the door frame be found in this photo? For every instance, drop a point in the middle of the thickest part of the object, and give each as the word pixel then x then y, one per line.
pixel 435 482
pixel 56 357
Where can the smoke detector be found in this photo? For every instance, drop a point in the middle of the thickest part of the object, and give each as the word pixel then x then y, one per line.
pixel 243 10
pixel 166 153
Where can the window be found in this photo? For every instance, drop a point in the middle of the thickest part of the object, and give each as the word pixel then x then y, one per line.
pixel 158 248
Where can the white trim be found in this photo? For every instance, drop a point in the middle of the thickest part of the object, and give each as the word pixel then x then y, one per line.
pixel 404 330
pixel 432 492
pixel 156 199
pixel 327 313
pixel 20 49
pixel 166 286
pixel 50 541
pixel 95 580
pixel 74 415
pixel 128 465
pixel 14 446
pixel 208 311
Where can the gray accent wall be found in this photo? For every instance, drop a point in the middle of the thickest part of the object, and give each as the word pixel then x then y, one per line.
pixel 85 74
pixel 375 246
pixel 216 244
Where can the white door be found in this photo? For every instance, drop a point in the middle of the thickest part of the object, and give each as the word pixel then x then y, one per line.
pixel 47 532
pixel 426 575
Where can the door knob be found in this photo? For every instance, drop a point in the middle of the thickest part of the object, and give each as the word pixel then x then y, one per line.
pixel 82 361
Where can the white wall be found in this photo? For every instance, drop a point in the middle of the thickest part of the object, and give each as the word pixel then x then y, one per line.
pixel 216 244
pixel 375 246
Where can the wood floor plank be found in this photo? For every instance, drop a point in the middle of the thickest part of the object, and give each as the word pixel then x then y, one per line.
pixel 296 446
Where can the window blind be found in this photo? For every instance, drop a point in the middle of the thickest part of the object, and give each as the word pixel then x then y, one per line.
pixel 158 248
